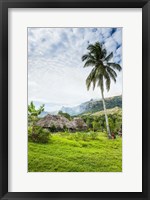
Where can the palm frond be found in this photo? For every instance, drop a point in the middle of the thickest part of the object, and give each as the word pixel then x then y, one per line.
pixel 100 66
pixel 95 50
pixel 84 57
pixel 109 57
pixel 104 53
pixel 115 66
pixel 87 56
pixel 89 62
pixel 98 46
pixel 101 83
pixel 112 73
pixel 88 82
pixel 94 82
pixel 91 48
pixel 90 78
pixel 108 81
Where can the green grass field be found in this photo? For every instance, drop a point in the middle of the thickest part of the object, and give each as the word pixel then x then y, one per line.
pixel 76 152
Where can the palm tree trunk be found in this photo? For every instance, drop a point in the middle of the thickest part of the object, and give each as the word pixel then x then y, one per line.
pixel 106 117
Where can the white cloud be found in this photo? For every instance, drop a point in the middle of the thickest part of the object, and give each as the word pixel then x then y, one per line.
pixel 55 70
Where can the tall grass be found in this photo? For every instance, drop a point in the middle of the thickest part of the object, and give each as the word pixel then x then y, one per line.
pixel 76 152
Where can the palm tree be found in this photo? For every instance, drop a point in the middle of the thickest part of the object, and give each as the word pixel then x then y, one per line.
pixel 103 70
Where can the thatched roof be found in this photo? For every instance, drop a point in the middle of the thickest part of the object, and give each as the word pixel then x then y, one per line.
pixel 79 123
pixel 60 122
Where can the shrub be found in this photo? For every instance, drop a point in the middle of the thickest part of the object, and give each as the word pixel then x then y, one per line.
pixel 33 113
pixel 78 136
pixel 35 133
pixel 38 134
pixel 29 132
pixel 96 126
pixel 65 129
pixel 53 128
pixel 93 135
pixel 85 136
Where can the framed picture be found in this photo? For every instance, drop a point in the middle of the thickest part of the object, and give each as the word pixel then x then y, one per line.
pixel 74 99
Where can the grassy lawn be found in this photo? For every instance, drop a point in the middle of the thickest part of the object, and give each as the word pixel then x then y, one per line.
pixel 74 153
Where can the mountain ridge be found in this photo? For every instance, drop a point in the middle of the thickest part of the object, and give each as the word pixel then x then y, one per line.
pixel 93 106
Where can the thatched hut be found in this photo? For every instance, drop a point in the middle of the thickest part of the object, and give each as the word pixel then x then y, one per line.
pixel 59 123
pixel 79 124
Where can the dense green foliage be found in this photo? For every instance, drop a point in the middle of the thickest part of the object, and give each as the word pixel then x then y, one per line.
pixel 64 115
pixel 96 122
pixel 36 133
pixel 33 113
pixel 76 152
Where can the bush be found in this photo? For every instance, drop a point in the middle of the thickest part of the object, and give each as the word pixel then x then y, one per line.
pixel 96 126
pixel 85 136
pixel 93 135
pixel 53 128
pixel 65 129
pixel 38 134
pixel 78 136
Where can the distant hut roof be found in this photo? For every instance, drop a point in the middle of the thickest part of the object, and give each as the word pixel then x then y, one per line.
pixel 79 123
pixel 60 122
pixel 53 120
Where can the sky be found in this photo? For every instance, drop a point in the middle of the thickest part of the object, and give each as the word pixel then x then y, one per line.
pixel 55 70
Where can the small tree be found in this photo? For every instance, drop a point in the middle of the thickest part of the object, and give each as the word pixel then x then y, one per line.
pixel 36 133
pixel 33 113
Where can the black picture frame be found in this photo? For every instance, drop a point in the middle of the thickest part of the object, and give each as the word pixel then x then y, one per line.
pixel 4 6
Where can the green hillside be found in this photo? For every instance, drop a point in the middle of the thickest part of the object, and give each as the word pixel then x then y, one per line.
pixel 93 106
pixel 111 102
pixel 111 111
